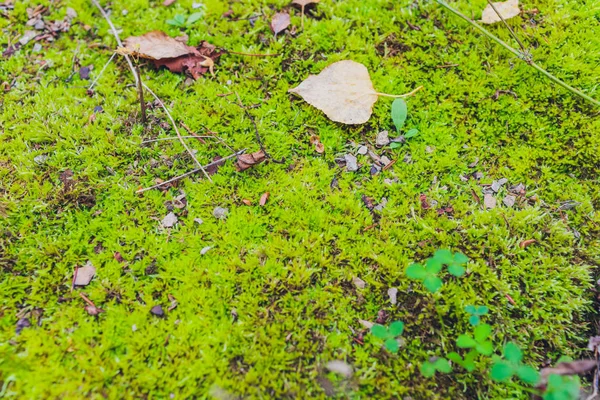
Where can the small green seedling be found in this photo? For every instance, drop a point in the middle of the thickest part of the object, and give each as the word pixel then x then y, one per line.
pixel 428 274
pixel 454 261
pixel 562 388
pixel 389 335
pixel 429 368
pixel 468 363
pixel 180 21
pixel 479 341
pixel 476 314
pixel 399 113
pixel 503 370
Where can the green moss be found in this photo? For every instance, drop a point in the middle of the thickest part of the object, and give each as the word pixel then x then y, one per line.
pixel 286 268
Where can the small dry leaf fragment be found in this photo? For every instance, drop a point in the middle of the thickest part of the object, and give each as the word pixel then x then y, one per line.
pixel 343 91
pixel 169 221
pixel 359 283
pixel 247 202
pixel 220 212
pixel 280 22
pixel 205 250
pixel 577 367
pixel 157 45
pixel 351 163
pixel 263 199
pixel 167 3
pixel 93 310
pixel 157 310
pixel 489 201
pixel 246 161
pixel 22 323
pixel 366 324
pixel 526 243
pixel 194 64
pixel 319 148
pixel 393 293
pixel 340 367
pixel 509 200
pixel 508 9
pixel 304 3
pixel 84 274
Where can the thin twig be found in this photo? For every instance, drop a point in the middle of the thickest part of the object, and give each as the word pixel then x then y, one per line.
pixel 160 102
pixel 200 138
pixel 525 53
pixel 518 54
pixel 102 71
pixel 191 172
pixel 85 298
pixel 397 96
pixel 213 135
pixel 176 138
pixel 257 134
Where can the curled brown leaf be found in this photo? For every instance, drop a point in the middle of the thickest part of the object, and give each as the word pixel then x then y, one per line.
pixel 246 161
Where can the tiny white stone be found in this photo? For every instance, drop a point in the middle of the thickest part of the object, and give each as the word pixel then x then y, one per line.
pixel 489 201
pixel 382 139
pixel 220 212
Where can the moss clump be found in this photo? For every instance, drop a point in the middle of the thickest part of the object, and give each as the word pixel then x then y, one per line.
pixel 272 302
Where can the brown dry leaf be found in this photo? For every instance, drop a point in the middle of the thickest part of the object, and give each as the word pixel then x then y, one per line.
pixel 167 3
pixel 577 367
pixel 343 91
pixel 526 243
pixel 247 202
pixel 508 9
pixel 246 161
pixel 280 22
pixel 157 45
pixel 194 65
pixel 319 148
pixel 263 199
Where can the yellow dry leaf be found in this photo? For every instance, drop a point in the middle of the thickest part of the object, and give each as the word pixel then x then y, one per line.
pixel 343 91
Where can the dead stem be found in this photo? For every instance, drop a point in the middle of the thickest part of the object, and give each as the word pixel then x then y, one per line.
pixel 141 95
pixel 257 134
pixel 397 96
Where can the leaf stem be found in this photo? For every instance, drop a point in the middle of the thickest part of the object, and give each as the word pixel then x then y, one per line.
pixel 519 54
pixel 397 96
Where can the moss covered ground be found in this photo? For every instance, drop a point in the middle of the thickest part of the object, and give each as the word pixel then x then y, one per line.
pixel 262 312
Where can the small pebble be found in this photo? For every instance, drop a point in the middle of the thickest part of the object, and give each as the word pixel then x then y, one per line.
pixel 351 163
pixel 489 201
pixel 220 212
pixel 362 150
pixel 509 200
pixel 158 311
pixel 382 139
